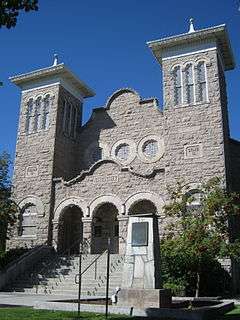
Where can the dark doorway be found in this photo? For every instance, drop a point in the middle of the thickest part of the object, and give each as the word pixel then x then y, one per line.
pixel 70 232
pixel 105 225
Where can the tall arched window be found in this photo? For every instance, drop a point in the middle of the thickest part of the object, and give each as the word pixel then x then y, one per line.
pixel 46 109
pixel 189 84
pixel 73 122
pixel 37 114
pixel 177 85
pixel 70 115
pixel 201 82
pixel 28 221
pixel 29 116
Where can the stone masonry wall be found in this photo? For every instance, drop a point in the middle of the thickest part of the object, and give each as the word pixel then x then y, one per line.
pixel 194 134
pixel 33 167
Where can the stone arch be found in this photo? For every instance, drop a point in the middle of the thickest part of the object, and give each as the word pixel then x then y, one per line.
pixel 35 201
pixel 113 199
pixel 70 202
pixel 70 230
pixel 155 199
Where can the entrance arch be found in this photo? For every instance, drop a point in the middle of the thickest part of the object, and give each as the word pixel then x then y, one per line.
pixel 70 230
pixel 105 226
pixel 142 207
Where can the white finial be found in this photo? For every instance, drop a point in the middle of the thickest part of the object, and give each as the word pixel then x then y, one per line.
pixel 55 61
pixel 191 27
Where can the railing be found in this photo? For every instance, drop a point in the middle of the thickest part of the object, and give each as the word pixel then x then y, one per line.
pixel 49 266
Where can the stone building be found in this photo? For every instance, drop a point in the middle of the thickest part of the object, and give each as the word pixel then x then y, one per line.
pixel 75 181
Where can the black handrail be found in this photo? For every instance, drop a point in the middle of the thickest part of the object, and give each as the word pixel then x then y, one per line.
pixel 77 275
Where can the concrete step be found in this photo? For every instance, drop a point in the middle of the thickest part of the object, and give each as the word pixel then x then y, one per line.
pixel 57 276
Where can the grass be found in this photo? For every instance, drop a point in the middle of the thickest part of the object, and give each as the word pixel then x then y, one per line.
pixel 23 313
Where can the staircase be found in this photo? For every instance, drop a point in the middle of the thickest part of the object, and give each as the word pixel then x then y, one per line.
pixel 56 276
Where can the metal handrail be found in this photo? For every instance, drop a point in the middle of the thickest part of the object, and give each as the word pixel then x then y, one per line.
pixel 92 262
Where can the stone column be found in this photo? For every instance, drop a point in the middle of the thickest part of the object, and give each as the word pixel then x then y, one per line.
pixel 123 225
pixel 87 232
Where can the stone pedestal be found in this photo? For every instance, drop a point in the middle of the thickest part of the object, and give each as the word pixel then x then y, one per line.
pixel 145 298
pixel 142 259
pixel 141 282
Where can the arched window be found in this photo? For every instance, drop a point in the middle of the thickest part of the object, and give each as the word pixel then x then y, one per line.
pixel 28 221
pixel 70 114
pixel 189 84
pixel 37 114
pixel 73 122
pixel 194 199
pixel 29 117
pixel 177 86
pixel 46 109
pixel 201 82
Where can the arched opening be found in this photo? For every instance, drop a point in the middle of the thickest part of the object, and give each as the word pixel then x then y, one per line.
pixel 143 207
pixel 105 226
pixel 70 230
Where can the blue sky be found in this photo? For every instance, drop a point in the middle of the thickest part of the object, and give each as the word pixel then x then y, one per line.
pixel 104 43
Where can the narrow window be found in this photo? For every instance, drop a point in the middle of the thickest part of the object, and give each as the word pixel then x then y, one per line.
pixel 177 86
pixel 201 82
pixel 37 114
pixel 68 119
pixel 46 107
pixel 189 88
pixel 28 223
pixel 29 115
pixel 73 122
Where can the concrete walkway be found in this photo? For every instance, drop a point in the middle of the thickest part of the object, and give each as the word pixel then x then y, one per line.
pixel 49 302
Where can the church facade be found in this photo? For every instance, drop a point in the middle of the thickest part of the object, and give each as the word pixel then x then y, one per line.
pixel 74 181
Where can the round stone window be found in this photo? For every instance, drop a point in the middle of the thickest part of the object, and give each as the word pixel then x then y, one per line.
pixel 150 148
pixel 122 152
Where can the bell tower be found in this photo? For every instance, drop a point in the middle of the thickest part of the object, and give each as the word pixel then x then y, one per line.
pixel 47 140
pixel 195 101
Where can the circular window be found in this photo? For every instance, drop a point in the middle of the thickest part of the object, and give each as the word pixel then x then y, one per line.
pixel 151 148
pixel 122 152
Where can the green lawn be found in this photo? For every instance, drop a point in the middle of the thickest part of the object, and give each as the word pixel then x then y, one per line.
pixel 23 313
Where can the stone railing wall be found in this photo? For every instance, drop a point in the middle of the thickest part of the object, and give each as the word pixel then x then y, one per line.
pixel 22 264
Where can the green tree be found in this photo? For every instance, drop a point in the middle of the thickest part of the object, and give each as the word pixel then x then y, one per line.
pixel 198 233
pixel 9 10
pixel 8 207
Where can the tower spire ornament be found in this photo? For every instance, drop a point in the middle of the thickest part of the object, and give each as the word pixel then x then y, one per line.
pixel 55 61
pixel 191 26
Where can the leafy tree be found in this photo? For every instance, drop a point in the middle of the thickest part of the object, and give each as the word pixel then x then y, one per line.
pixel 9 10
pixel 8 207
pixel 198 233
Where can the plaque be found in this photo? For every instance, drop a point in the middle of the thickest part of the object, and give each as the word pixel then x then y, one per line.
pixel 139 234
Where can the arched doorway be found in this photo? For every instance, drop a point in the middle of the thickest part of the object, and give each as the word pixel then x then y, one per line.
pixel 105 226
pixel 70 231
pixel 143 207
